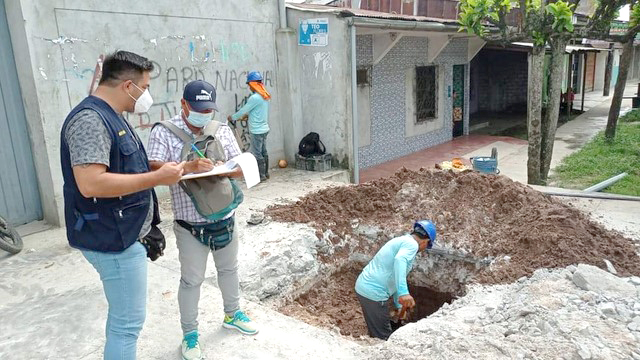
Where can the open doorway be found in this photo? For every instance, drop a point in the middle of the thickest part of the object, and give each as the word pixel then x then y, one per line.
pixel 458 100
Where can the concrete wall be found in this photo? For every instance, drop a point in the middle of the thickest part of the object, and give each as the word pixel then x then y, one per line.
pixel 393 129
pixel 634 72
pixel 499 80
pixel 364 59
pixel 324 80
pixel 616 67
pixel 58 44
pixel 601 63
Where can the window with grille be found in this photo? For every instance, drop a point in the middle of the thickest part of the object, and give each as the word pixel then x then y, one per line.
pixel 362 76
pixel 426 93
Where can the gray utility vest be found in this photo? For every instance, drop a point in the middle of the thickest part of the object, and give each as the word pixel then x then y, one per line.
pixel 213 196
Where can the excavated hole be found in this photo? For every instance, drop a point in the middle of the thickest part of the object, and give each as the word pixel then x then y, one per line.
pixel 331 302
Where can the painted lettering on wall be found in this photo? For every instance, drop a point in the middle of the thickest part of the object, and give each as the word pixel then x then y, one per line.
pixel 176 79
pixel 241 127
pixel 173 79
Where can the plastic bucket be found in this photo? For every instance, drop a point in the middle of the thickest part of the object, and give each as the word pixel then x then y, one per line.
pixel 485 164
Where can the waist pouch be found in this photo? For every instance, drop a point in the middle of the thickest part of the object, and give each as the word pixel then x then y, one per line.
pixel 216 235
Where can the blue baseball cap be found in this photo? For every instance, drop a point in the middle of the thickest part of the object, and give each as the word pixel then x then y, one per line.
pixel 200 95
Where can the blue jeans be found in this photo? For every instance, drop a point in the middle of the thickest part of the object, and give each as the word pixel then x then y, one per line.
pixel 124 279
pixel 258 147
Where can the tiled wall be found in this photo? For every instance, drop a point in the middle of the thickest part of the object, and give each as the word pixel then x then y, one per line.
pixel 388 109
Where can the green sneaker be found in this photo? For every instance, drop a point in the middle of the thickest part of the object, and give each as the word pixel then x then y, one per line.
pixel 191 347
pixel 240 322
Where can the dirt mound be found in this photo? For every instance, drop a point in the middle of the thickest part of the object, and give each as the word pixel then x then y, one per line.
pixel 485 214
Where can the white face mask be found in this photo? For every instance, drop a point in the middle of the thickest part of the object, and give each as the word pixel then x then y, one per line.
pixel 143 102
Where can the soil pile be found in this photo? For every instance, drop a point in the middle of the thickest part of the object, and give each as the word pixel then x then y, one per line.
pixel 486 215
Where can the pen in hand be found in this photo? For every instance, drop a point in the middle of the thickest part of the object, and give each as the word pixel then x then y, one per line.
pixel 197 151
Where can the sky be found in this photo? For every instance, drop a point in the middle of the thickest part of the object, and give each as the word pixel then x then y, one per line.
pixel 624 13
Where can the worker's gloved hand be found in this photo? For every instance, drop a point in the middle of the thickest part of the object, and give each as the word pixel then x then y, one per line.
pixel 407 301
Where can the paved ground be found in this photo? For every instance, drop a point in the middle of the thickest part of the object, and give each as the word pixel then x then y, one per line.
pixel 52 305
pixel 458 147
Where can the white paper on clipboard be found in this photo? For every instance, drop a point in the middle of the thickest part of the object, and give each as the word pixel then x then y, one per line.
pixel 247 163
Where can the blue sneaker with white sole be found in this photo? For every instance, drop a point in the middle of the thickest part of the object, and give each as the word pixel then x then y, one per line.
pixel 190 348
pixel 241 322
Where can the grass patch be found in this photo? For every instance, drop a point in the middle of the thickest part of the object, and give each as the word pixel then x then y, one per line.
pixel 598 160
pixel 631 116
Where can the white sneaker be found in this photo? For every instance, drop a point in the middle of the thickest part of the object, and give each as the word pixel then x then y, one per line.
pixel 191 347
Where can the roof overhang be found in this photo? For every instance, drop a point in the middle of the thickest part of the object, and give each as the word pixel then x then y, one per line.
pixel 383 21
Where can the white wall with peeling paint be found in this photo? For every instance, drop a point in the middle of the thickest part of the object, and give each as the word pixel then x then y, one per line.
pixel 325 85
pixel 58 44
pixel 601 63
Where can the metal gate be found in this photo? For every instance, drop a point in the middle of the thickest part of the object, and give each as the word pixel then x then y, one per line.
pixel 20 198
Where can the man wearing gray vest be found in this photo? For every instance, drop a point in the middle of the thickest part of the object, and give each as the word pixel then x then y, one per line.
pixel 197 235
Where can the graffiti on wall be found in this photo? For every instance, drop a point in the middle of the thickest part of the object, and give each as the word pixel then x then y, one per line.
pixel 318 65
pixel 168 82
pixel 241 127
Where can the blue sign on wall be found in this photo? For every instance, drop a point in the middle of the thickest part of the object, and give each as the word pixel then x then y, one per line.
pixel 313 32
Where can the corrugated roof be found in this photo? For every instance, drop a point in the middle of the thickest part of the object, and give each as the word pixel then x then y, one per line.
pixel 570 48
pixel 321 2
pixel 348 12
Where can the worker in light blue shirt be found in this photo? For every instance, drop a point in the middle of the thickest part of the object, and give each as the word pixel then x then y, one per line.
pixel 257 108
pixel 386 276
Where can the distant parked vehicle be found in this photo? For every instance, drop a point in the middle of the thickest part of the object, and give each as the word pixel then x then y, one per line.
pixel 10 240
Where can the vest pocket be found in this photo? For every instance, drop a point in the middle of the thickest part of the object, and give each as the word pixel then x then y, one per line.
pixel 133 159
pixel 128 146
pixel 129 220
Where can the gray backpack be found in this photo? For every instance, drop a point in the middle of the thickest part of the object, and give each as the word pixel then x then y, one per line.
pixel 213 196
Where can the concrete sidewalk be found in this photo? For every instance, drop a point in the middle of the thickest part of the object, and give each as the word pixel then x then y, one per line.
pixel 570 137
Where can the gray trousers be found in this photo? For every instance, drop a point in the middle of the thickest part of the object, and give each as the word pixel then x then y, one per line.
pixel 193 257
pixel 376 314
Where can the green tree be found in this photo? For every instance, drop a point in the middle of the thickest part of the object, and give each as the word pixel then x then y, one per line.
pixel 625 61
pixel 548 23
pixel 543 24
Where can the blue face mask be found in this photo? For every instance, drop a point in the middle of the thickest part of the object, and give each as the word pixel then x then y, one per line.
pixel 199 120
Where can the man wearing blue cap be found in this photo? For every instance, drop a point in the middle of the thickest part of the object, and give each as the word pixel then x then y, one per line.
pixel 386 276
pixel 257 108
pixel 196 235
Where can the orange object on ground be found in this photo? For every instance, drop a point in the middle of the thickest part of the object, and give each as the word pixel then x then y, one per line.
pixel 457 163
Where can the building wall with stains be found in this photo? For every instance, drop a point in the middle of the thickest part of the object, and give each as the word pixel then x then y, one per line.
pixel 324 83
pixel 387 129
pixel 59 44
